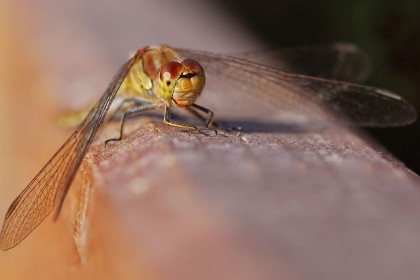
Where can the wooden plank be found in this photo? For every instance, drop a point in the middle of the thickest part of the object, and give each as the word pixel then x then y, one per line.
pixel 254 205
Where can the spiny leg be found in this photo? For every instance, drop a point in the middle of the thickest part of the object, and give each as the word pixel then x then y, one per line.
pixel 205 110
pixel 209 122
pixel 203 119
pixel 135 101
pixel 192 109
pixel 132 111
pixel 166 121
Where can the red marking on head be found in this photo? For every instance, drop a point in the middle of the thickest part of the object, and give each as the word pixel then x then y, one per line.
pixel 171 70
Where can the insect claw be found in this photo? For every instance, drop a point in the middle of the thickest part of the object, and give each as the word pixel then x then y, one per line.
pixel 112 140
pixel 204 131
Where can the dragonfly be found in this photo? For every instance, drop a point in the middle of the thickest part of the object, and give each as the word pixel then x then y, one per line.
pixel 161 77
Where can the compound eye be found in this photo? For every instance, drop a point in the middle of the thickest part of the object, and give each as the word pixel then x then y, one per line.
pixel 171 71
pixel 192 66
pixel 189 86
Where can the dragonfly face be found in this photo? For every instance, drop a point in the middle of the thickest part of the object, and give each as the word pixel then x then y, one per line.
pixel 181 82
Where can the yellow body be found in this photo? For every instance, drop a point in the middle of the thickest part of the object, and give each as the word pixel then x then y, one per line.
pixel 143 83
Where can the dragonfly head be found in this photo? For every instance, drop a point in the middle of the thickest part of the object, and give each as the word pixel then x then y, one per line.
pixel 181 82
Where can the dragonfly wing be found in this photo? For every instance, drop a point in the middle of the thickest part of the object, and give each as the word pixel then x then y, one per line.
pixel 263 90
pixel 336 61
pixel 48 189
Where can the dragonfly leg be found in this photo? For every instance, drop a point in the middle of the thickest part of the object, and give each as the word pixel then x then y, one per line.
pixel 205 110
pixel 129 112
pixel 168 122
pixel 120 109
pixel 203 119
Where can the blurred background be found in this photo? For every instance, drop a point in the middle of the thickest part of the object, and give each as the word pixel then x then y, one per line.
pixel 388 31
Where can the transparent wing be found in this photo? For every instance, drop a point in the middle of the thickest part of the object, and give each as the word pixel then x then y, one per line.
pixel 264 91
pixel 48 189
pixel 336 61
